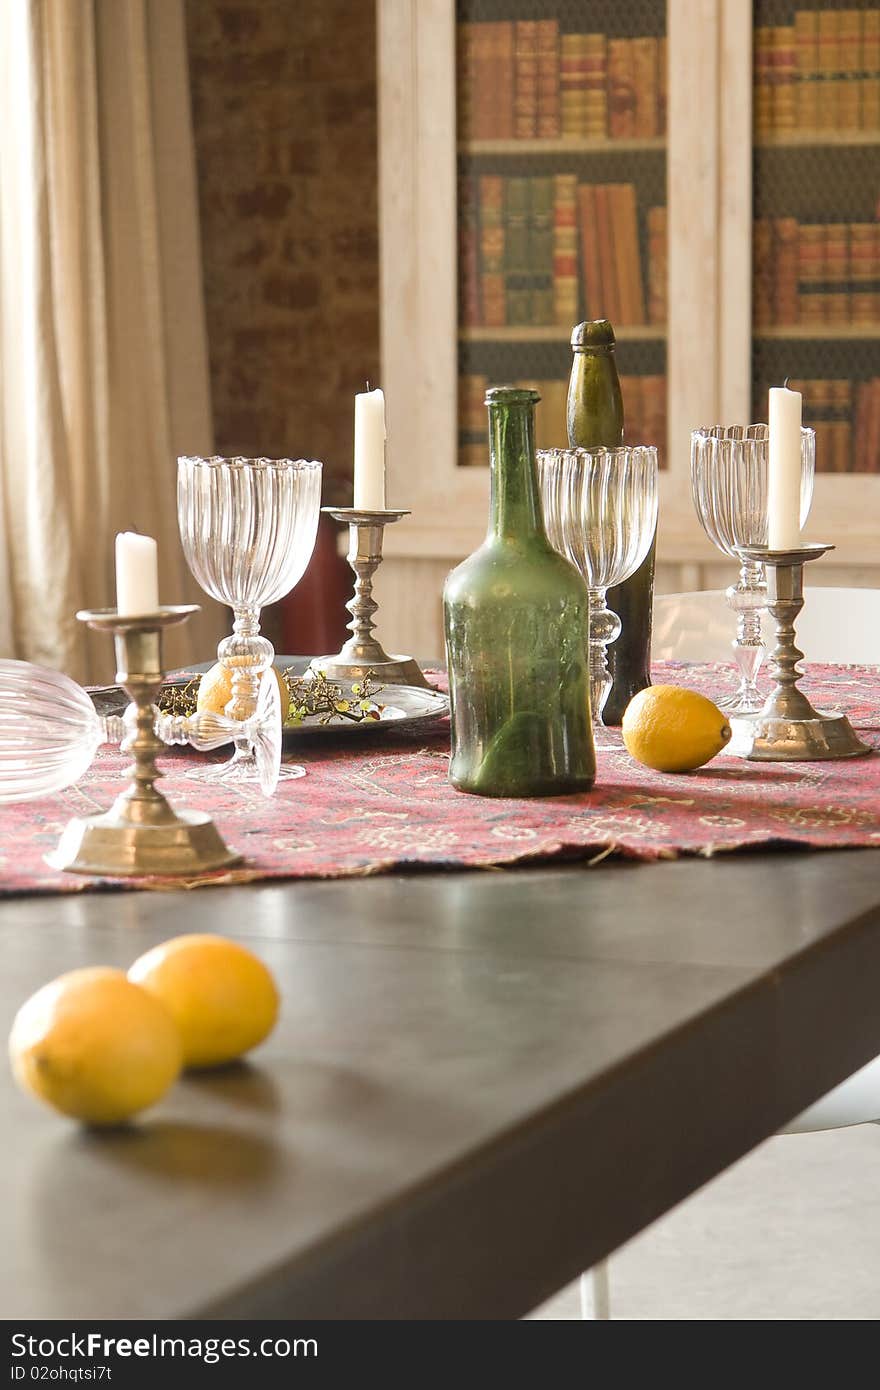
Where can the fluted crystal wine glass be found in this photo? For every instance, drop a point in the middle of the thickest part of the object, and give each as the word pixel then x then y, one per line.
pixel 600 511
pixel 248 529
pixel 50 731
pixel 729 483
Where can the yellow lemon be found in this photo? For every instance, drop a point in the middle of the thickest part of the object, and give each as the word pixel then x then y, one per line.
pixel 673 730
pixel 94 1046
pixel 215 690
pixel 222 998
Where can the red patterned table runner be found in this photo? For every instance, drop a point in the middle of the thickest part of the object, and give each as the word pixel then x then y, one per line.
pixel 385 804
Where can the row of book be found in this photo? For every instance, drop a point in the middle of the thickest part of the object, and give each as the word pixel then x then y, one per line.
pixel 525 80
pixel 644 403
pixel 820 73
pixel 846 418
pixel 815 273
pixel 522 242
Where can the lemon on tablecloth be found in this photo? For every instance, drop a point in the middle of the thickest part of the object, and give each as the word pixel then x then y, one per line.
pixel 95 1046
pixel 671 729
pixel 221 996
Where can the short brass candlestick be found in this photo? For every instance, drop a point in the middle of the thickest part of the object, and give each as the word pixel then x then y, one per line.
pixel 788 728
pixel 141 834
pixel 363 652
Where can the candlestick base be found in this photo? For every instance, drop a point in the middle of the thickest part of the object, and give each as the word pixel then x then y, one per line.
pixel 187 845
pixel 766 739
pixel 363 653
pixel 788 728
pixel 141 834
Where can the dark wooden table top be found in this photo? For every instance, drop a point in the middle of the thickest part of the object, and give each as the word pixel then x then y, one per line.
pixel 480 1084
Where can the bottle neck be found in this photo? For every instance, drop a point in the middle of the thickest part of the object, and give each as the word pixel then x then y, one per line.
pixel 515 504
pixel 595 404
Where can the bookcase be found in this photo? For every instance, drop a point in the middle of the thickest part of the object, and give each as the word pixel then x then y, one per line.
pixel 816 247
pixel 703 172
pixel 561 187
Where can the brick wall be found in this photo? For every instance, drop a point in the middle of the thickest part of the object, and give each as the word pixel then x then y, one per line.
pixel 284 109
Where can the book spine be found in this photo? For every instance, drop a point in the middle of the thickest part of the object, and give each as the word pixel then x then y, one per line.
pixel 829 68
pixel 549 119
pixel 621 89
pixel 658 266
pixel 633 414
pixel 492 256
pixel 541 232
pixel 837 273
pixel 654 414
pixel 565 266
pixel 806 42
pixel 588 222
pixel 605 233
pixel 817 411
pixel 869 104
pixel 617 215
pixel 572 87
pixel 644 65
pixel 860 429
pixel 785 256
pixel 662 86
pixel 861 271
pixel 469 253
pixel 526 77
pixel 811 245
pixel 784 68
pixel 872 440
pixel 763 277
pixel 841 426
pixel 465 80
pixel 626 237
pixel 593 51
pixel 850 58
pixel 517 262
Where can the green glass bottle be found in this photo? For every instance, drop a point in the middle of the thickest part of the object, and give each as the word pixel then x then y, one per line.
pixel 517 617
pixel 595 419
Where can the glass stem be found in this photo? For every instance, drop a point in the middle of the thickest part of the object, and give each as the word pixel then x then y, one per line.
pixel 604 628
pixel 748 598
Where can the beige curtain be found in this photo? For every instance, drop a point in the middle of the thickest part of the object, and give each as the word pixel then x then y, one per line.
pixel 103 361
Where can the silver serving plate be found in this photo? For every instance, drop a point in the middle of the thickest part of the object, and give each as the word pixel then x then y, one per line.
pixel 404 707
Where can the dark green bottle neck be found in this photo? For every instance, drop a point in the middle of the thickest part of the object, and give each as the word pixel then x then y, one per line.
pixel 515 504
pixel 595 404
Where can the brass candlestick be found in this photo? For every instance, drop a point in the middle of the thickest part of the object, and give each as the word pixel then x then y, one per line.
pixel 141 834
pixel 363 652
pixel 788 728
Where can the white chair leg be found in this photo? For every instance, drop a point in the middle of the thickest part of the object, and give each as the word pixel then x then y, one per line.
pixel 596 1293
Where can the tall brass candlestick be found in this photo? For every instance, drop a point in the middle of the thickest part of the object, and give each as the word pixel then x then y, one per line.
pixel 141 833
pixel 788 728
pixel 363 652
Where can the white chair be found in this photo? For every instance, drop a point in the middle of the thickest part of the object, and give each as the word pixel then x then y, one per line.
pixel 835 625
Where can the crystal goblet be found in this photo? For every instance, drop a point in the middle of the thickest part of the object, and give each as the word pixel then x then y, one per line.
pixel 729 484
pixel 600 511
pixel 248 528
pixel 50 731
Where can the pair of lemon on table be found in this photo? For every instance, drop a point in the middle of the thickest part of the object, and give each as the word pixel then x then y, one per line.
pixel 100 1045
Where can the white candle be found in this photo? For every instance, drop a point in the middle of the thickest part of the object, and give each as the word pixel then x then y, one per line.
pixel 784 469
pixel 137 574
pixel 369 451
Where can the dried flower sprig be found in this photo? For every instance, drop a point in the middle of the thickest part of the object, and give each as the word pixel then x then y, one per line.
pixel 179 699
pixel 316 697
